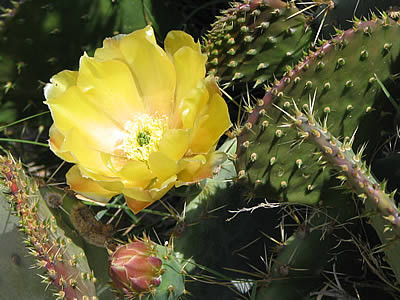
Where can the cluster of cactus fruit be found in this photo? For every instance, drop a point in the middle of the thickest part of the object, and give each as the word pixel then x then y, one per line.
pixel 302 156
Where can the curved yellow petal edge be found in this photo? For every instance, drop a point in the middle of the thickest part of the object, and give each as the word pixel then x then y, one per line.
pixel 136 119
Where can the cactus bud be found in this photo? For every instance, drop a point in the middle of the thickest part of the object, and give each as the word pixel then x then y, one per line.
pixel 134 268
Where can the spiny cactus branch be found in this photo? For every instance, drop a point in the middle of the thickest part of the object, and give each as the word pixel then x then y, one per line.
pixel 65 262
pixel 350 165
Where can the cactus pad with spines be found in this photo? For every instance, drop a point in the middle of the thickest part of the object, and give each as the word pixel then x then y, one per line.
pixel 357 177
pixel 254 40
pixel 341 78
pixel 65 262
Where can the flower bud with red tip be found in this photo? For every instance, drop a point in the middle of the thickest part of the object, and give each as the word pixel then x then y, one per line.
pixel 134 268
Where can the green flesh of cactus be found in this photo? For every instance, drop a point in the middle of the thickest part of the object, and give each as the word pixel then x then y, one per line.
pixel 358 178
pixel 296 270
pixel 340 78
pixel 254 40
pixel 18 280
pixel 66 263
pixel 172 279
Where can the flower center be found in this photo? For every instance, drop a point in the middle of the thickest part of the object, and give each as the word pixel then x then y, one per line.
pixel 142 136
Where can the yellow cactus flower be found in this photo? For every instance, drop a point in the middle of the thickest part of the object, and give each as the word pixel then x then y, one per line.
pixel 136 119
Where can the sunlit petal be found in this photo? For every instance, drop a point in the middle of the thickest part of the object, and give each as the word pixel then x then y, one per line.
pixel 136 173
pixel 154 73
pixel 72 110
pixel 87 156
pixel 135 205
pixel 176 40
pixel 109 86
pixel 110 49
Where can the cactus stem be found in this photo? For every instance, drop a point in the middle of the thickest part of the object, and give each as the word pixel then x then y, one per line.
pixel 341 156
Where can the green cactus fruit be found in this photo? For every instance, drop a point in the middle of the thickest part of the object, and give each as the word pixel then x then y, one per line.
pixel 65 262
pixel 341 78
pixel 254 40
pixel 144 270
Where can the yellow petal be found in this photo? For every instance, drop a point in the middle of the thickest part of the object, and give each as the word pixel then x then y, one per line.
pixel 191 105
pixel 176 39
pixel 190 69
pixel 188 60
pixel 135 205
pixel 174 143
pixel 200 167
pixel 109 86
pixel 85 153
pixel 153 72
pixel 56 142
pixel 112 183
pixel 138 193
pixel 136 174
pixel 138 199
pixel 211 126
pixel 72 110
pixel 110 49
pixel 191 166
pixel 162 166
pixel 87 187
pixel 212 85
pixel 59 83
